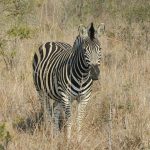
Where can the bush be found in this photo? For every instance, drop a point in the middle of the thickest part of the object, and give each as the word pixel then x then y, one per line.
pixel 4 136
pixel 20 32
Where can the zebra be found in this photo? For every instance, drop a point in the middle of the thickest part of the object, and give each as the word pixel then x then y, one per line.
pixel 63 73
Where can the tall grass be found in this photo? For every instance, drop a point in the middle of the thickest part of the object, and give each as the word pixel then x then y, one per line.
pixel 118 114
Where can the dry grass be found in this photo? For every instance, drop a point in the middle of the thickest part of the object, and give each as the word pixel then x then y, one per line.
pixel 123 87
pixel 118 114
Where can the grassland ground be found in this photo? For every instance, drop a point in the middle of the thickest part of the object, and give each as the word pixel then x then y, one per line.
pixel 118 113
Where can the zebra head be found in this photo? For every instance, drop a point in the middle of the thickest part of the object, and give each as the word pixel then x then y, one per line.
pixel 90 43
pixel 90 46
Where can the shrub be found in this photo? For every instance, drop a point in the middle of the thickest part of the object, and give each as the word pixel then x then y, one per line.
pixel 20 32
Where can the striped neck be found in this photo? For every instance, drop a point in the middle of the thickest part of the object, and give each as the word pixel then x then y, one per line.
pixel 80 66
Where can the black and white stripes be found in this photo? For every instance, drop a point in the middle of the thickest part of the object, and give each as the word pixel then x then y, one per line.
pixel 63 73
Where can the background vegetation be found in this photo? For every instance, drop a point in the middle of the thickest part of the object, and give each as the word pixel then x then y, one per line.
pixel 118 115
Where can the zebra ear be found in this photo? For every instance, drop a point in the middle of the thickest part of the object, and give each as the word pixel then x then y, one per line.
pixel 101 29
pixel 82 31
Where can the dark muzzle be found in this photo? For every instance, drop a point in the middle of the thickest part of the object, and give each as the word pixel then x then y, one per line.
pixel 95 72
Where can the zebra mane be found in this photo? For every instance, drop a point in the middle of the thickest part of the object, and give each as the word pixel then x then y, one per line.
pixel 91 32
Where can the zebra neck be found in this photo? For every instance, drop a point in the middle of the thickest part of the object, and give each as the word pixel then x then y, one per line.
pixel 80 66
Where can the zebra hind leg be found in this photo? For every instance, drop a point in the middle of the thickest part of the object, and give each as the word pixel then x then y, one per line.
pixel 57 110
pixel 47 109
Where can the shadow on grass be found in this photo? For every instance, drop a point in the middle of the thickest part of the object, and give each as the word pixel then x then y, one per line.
pixel 29 124
pixel 36 121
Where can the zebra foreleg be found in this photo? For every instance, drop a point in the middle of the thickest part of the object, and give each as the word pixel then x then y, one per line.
pixel 67 110
pixel 81 113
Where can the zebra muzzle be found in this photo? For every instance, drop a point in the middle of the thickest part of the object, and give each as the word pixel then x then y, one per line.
pixel 95 72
